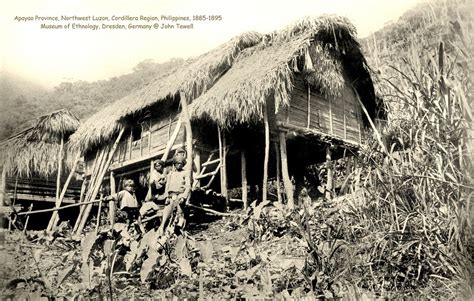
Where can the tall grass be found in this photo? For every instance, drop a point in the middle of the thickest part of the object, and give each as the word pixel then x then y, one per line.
pixel 412 229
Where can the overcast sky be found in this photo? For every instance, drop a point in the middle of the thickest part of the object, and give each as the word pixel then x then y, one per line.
pixel 50 56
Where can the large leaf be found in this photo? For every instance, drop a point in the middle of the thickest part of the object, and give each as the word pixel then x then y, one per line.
pixel 87 244
pixel 185 267
pixel 207 250
pixel 181 249
pixel 148 240
pixel 63 274
pixel 148 265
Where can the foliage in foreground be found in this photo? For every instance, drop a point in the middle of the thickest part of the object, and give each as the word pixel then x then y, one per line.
pixel 415 216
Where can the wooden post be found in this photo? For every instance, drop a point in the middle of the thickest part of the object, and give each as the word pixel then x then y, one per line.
pixel 243 173
pixel 331 130
pixel 54 217
pixel 267 154
pixel 149 137
pixel 15 189
pixel 278 172
pixel 222 155
pixel 284 172
pixel 309 107
pixel 328 193
pixel 97 225
pixel 3 188
pixel 98 182
pixel 130 141
pixel 113 190
pixel 189 144
pixel 60 164
pixel 197 163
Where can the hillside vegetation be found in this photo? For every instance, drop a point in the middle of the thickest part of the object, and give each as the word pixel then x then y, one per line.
pixel 22 101
pixel 401 230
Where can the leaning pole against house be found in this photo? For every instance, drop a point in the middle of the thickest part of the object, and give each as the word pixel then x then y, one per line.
pixel 98 182
pixel 189 144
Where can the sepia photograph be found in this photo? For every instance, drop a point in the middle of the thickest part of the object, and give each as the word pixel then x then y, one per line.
pixel 251 150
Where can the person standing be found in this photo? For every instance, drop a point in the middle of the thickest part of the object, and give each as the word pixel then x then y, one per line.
pixel 157 182
pixel 175 188
pixel 127 200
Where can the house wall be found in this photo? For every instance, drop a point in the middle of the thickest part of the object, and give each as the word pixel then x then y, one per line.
pixel 145 141
pixel 337 117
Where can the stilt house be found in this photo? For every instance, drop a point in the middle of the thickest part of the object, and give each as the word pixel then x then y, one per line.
pixel 260 106
pixel 35 161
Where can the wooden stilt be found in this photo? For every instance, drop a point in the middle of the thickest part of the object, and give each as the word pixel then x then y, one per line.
pixel 328 193
pixel 278 172
pixel 15 190
pixel 113 190
pixel 3 187
pixel 267 154
pixel 55 218
pixel 243 173
pixel 284 172
pixel 222 156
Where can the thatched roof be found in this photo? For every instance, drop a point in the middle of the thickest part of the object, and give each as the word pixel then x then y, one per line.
pixel 36 149
pixel 194 77
pixel 231 83
pixel 324 50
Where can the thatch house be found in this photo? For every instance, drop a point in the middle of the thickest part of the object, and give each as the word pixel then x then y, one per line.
pixel 307 84
pixel 34 161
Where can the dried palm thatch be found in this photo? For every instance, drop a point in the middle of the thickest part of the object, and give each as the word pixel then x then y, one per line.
pixel 36 149
pixel 194 77
pixel 323 49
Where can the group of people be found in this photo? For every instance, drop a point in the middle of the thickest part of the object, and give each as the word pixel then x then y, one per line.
pixel 166 185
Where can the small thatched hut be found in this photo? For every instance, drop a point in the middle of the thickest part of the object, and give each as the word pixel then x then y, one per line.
pixel 35 160
pixel 307 84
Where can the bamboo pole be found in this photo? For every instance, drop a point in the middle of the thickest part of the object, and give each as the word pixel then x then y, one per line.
pixel 113 190
pixel 328 192
pixel 98 182
pixel 284 172
pixel 376 132
pixel 243 173
pixel 278 172
pixel 171 141
pixel 92 186
pixel 267 154
pixel 54 217
pixel 60 208
pixel 189 144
